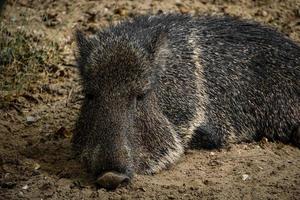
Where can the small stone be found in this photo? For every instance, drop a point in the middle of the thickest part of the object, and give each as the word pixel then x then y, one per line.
pixel 245 177
pixel 36 166
pixel 20 194
pixel 6 175
pixel 25 187
pixel 264 13
pixel 142 189
pixel 30 119
pixel 182 8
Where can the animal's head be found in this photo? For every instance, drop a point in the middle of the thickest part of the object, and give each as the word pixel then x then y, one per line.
pixel 121 128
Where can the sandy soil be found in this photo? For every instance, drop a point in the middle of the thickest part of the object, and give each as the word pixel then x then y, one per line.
pixel 35 131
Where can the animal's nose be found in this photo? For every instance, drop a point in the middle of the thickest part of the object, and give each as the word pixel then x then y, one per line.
pixel 111 180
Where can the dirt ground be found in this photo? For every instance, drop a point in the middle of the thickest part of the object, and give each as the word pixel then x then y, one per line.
pixel 36 122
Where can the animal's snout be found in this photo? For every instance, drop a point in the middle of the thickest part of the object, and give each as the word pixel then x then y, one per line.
pixel 112 180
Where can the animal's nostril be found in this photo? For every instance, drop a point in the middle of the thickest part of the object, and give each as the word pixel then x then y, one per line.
pixel 111 180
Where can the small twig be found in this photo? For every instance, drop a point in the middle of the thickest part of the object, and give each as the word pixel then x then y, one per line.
pixel 69 96
pixel 69 65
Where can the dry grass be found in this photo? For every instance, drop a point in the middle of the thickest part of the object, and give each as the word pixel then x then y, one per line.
pixel 23 58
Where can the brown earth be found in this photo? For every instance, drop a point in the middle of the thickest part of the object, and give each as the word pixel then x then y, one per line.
pixel 36 123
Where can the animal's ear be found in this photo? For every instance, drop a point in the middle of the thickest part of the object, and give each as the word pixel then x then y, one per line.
pixel 84 47
pixel 161 51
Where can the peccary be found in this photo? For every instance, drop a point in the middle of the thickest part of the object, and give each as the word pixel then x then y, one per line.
pixel 154 85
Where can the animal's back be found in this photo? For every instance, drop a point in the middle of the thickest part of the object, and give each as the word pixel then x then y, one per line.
pixel 229 80
pixel 253 80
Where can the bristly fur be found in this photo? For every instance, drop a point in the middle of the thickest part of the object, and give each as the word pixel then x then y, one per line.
pixel 156 84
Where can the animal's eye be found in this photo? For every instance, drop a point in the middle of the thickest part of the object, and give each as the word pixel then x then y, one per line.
pixel 89 96
pixel 141 97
